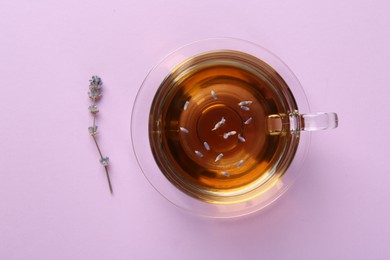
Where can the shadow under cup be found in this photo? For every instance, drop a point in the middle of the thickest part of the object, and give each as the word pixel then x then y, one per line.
pixel 222 127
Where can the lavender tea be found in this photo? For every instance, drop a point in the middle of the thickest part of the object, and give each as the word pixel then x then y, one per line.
pixel 218 125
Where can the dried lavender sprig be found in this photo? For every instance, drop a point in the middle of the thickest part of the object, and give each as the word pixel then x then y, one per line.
pixel 94 94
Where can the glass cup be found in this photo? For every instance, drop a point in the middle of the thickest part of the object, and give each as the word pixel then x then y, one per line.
pixel 220 127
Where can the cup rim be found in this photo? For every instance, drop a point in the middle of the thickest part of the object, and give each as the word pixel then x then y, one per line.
pixel 140 137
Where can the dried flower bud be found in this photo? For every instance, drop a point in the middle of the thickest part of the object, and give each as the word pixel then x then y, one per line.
pixel 95 81
pixel 95 94
pixel 93 130
pixel 105 161
pixel 93 109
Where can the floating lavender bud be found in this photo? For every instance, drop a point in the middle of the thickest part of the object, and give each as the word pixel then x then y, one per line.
pixel 219 157
pixel 184 130
pixel 245 108
pixel 241 139
pixel 245 103
pixel 219 124
pixel 207 146
pixel 226 135
pixel 213 95
pixel 247 122
pixel 225 174
pixel 199 154
pixel 186 105
pixel 240 163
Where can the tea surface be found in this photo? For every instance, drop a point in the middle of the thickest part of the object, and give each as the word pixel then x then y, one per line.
pixel 210 131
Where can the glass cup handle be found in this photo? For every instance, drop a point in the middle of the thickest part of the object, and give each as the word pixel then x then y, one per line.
pixel 318 121
pixel 281 123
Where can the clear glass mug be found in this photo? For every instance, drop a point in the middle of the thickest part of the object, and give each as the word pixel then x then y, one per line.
pixel 220 127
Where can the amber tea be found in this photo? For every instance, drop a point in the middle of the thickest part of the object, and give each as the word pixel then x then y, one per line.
pixel 219 127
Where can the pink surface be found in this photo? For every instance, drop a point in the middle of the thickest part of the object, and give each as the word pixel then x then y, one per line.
pixel 54 197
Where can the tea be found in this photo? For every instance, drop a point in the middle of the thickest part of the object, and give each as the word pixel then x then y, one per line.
pixel 217 126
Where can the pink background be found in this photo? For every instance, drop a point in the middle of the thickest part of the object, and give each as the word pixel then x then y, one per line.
pixel 54 197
